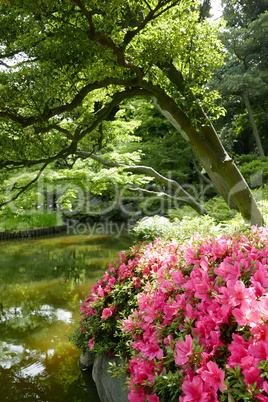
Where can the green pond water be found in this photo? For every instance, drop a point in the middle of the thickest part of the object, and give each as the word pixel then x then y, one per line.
pixel 42 282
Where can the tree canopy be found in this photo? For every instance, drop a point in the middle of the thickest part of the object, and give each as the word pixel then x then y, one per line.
pixel 69 63
pixel 243 79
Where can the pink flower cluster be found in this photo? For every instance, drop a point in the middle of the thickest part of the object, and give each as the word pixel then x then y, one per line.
pixel 204 315
pixel 112 297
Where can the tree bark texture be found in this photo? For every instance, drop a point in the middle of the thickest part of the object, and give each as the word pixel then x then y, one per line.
pixel 214 158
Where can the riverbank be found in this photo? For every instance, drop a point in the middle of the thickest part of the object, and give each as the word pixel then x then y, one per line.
pixel 8 234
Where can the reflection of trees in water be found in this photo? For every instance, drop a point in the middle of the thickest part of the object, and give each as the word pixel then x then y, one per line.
pixel 44 376
pixel 41 282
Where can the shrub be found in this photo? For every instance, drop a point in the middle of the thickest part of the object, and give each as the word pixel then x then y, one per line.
pixel 197 329
pixel 153 227
pixel 254 169
pixel 111 299
pixel 183 229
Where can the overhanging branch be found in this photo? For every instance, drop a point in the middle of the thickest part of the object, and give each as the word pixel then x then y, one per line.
pixel 67 107
pixel 22 189
pixel 180 193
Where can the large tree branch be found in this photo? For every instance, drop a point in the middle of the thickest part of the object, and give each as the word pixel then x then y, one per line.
pixel 79 134
pixel 87 14
pixel 103 113
pixel 152 15
pixel 169 183
pixel 22 189
pixel 7 55
pixel 10 164
pixel 54 127
pixel 196 206
pixel 67 107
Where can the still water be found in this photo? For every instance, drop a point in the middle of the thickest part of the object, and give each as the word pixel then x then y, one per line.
pixel 42 282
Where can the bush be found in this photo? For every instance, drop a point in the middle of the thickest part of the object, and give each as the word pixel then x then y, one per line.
pixel 253 168
pixel 153 227
pixel 198 314
pixel 183 229
pixel 111 299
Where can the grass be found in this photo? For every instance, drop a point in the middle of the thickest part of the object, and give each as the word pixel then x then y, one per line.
pixel 36 220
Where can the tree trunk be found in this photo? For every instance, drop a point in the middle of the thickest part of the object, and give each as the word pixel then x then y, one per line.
pixel 212 155
pixel 253 123
pixel 176 77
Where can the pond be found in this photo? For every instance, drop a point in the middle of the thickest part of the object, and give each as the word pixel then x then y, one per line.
pixel 42 282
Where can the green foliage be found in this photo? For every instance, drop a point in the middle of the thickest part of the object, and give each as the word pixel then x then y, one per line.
pixel 153 227
pixel 244 73
pixel 235 384
pixel 16 222
pixel 63 79
pixel 160 145
pixel 122 300
pixel 218 208
pixel 253 168
pixel 187 225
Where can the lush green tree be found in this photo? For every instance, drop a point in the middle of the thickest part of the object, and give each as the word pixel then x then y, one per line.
pixel 71 56
pixel 205 9
pixel 243 80
pixel 240 13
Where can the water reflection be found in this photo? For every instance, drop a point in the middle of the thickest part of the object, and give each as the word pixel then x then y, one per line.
pixel 42 282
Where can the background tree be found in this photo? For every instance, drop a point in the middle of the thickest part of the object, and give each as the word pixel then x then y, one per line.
pixel 243 80
pixel 72 54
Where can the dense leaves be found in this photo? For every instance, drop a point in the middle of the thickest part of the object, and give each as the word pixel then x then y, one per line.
pixel 69 64
pixel 242 81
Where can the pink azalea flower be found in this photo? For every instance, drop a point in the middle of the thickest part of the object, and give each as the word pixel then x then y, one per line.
pixel 152 350
pixel 177 277
pixel 112 281
pixel 252 375
pixel 228 269
pixel 100 292
pixel 248 361
pixel 142 370
pixel 152 398
pixel 214 376
pixel 136 395
pixel 107 312
pixel 128 325
pixel 183 350
pixel 170 309
pixel 261 397
pixel 246 315
pixel 262 307
pixel 260 332
pixel 91 344
pixel 259 350
pixel 106 277
pixel 168 340
pixel 189 311
pixel 238 349
pixel 240 293
pixel 261 274
pixel 194 391
pixel 111 268
pixel 138 282
pixel 214 340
